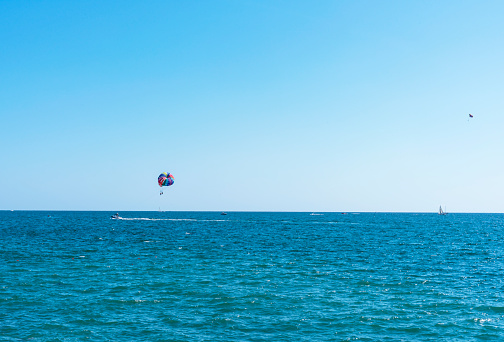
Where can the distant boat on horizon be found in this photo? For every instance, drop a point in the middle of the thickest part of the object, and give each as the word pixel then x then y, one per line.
pixel 441 212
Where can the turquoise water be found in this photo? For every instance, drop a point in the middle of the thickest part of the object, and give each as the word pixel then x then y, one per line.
pixel 202 276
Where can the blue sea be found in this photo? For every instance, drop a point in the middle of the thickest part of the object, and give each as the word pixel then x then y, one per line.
pixel 251 276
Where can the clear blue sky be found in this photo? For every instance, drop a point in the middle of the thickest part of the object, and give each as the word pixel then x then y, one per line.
pixel 252 105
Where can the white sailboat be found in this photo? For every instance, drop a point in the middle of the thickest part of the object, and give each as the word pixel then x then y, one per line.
pixel 441 212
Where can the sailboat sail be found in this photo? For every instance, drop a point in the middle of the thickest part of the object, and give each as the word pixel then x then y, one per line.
pixel 441 212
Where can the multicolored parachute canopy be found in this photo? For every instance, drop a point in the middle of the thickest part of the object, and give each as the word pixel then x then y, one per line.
pixel 165 179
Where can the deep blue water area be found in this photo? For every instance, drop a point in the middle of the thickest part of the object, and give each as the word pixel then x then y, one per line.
pixel 245 276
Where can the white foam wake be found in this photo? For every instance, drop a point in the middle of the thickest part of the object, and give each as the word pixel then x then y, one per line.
pixel 164 219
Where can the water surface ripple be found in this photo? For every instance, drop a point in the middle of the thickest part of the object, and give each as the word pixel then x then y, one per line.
pixel 202 276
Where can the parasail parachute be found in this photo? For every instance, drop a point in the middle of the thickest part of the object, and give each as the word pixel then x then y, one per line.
pixel 165 179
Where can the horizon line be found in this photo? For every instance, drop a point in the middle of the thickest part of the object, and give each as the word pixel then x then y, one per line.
pixel 257 211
